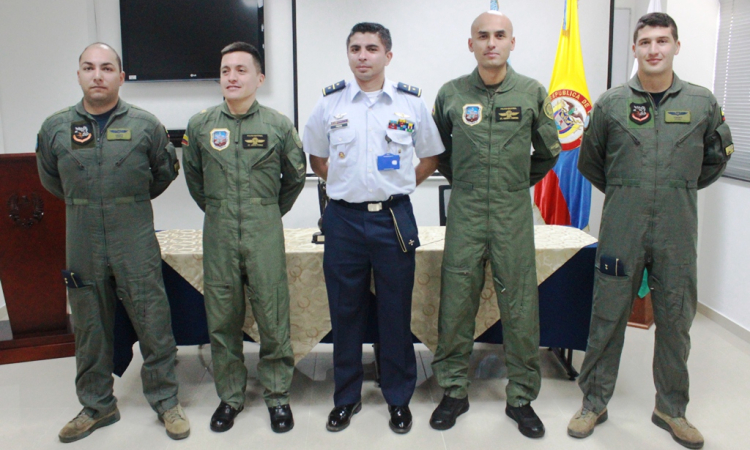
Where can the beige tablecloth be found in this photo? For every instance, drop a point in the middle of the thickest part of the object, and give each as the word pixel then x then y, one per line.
pixel 310 320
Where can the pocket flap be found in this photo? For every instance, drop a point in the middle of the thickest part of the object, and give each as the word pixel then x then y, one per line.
pixel 342 136
pixel 399 136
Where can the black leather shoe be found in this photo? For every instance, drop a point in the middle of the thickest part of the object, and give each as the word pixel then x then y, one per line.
pixel 529 423
pixel 340 416
pixel 281 418
pixel 400 419
pixel 444 416
pixel 223 417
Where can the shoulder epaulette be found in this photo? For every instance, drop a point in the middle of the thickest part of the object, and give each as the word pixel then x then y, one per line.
pixel 61 111
pixel 335 87
pixel 409 89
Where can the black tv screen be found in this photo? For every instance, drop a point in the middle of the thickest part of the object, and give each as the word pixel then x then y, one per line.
pixel 182 39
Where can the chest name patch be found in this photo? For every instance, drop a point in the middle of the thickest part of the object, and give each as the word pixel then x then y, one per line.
pixel 677 117
pixel 508 114
pixel 254 141
pixel 119 134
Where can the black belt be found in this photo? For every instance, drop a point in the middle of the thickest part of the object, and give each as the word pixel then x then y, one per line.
pixel 373 206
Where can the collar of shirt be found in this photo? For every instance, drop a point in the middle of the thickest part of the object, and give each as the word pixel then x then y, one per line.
pixel 635 84
pixel 389 89
pixel 121 108
pixel 507 84
pixel 253 109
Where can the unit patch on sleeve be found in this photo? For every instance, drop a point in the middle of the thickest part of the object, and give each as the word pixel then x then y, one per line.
pixel 81 135
pixel 254 141
pixel 508 114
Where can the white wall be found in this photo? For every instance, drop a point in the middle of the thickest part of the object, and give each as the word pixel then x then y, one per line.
pixel 724 207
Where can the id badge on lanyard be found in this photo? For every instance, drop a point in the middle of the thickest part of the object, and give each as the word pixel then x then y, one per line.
pixel 389 161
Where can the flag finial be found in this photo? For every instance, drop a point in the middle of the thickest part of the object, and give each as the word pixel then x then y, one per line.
pixel 493 5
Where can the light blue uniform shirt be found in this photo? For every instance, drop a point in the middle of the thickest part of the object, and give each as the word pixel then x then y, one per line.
pixel 351 132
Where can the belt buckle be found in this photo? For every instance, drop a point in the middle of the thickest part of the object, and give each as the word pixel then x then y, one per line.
pixel 375 207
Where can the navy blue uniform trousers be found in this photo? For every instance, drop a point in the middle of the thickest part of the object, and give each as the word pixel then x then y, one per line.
pixel 358 244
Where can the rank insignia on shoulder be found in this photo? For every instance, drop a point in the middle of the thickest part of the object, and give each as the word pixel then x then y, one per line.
pixel 409 89
pixel 335 87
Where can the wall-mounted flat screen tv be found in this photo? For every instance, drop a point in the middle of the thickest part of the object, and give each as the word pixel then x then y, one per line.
pixel 182 39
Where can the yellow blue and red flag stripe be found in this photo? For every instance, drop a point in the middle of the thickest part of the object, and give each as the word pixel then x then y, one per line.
pixel 564 195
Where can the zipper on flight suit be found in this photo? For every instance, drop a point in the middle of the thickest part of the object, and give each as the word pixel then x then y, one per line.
pixel 100 149
pixel 239 189
pixel 656 160
pixel 491 121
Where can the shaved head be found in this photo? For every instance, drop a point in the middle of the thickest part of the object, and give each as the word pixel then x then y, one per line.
pixel 491 42
pixel 104 46
pixel 492 18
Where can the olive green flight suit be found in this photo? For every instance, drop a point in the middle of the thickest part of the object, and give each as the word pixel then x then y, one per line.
pixel 107 179
pixel 488 137
pixel 649 162
pixel 245 172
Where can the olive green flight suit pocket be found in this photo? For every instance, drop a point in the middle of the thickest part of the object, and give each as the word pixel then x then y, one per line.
pixel 219 303
pixel 613 296
pixel 84 307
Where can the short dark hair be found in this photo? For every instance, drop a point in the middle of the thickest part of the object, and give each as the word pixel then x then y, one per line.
pixel 102 44
pixel 240 46
pixel 655 19
pixel 375 28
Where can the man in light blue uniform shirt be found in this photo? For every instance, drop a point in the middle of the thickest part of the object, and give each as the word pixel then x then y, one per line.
pixel 362 137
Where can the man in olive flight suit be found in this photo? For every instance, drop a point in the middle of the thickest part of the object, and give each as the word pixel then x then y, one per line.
pixel 649 146
pixel 245 167
pixel 488 121
pixel 107 159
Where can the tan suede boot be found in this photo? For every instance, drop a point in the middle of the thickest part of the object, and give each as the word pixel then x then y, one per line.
pixel 176 423
pixel 83 425
pixel 681 430
pixel 583 422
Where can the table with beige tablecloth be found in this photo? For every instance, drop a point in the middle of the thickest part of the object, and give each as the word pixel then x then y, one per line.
pixel 182 250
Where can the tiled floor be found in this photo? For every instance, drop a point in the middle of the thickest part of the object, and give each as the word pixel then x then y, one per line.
pixel 37 398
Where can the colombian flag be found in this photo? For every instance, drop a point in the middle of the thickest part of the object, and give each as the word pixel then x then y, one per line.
pixel 564 195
